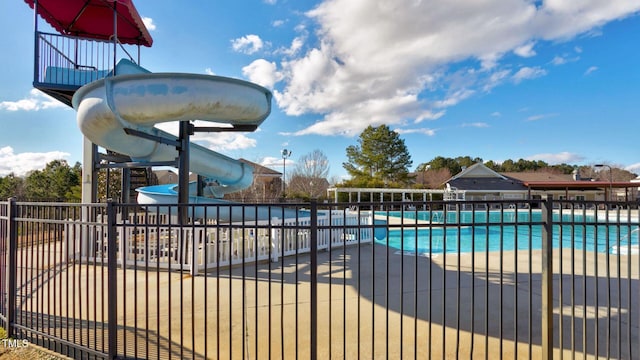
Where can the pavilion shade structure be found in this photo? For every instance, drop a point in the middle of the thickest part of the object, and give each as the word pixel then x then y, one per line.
pixel 93 19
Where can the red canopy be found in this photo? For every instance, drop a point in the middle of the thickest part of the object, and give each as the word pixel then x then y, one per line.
pixel 94 19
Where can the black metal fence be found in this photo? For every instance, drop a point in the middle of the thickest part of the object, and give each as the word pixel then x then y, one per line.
pixel 427 280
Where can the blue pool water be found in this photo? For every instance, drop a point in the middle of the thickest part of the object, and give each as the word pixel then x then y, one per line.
pixel 512 234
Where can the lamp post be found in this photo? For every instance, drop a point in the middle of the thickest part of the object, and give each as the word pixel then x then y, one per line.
pixel 610 177
pixel 285 155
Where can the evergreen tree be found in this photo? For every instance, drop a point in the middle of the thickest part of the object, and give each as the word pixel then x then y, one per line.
pixel 57 181
pixel 11 186
pixel 381 158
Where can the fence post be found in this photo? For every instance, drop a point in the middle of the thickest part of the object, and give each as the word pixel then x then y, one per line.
pixel 314 279
pixel 547 278
pixel 12 267
pixel 112 283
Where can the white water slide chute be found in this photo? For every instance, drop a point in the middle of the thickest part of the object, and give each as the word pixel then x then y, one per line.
pixel 118 113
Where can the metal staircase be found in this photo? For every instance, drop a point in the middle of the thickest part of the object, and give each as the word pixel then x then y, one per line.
pixel 139 177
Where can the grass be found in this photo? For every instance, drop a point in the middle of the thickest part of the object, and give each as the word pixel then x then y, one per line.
pixel 31 352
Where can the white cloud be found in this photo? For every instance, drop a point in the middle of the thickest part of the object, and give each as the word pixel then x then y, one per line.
pixel 36 101
pixel 353 119
pixel 429 115
pixel 540 117
pixel 294 48
pixel 496 78
pixel 559 158
pixel 528 73
pixel 425 131
pixel 248 44
pixel 496 114
pixel 564 59
pixel 216 141
pixel 225 141
pixel 277 23
pixel 454 98
pixel 476 125
pixel 262 72
pixel 270 2
pixel 590 70
pixel 525 51
pixel 208 71
pixel 148 22
pixel 274 162
pixel 377 53
pixel 24 104
pixel 559 60
pixel 20 164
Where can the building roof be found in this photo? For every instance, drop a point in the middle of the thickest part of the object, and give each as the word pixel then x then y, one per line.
pixel 477 170
pixel 480 178
pixel 578 184
pixel 538 176
pixel 487 184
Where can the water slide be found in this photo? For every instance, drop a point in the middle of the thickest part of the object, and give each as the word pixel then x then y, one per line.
pixel 137 99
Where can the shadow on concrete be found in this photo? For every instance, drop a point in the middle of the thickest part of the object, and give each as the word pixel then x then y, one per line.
pixel 494 304
pixel 425 290
pixel 87 339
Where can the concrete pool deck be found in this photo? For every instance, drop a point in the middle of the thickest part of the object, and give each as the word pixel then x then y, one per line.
pixel 366 306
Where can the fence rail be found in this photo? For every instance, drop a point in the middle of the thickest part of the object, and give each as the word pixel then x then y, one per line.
pixel 480 279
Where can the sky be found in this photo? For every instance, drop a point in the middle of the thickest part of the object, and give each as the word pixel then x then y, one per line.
pixel 556 80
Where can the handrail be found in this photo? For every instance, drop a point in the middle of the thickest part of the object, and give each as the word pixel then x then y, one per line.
pixel 126 52
pixel 91 59
pixel 55 49
pixel 123 49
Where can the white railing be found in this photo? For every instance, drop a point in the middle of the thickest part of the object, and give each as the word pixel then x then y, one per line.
pixel 172 247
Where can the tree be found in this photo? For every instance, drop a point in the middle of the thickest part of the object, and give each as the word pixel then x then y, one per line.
pixel 312 165
pixel 307 188
pixel 564 168
pixel 454 166
pixel 432 179
pixel 11 186
pixel 309 176
pixel 467 161
pixel 381 158
pixel 492 165
pixel 614 173
pixel 57 181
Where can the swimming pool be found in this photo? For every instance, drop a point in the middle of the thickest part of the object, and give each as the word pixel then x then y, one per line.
pixel 514 230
